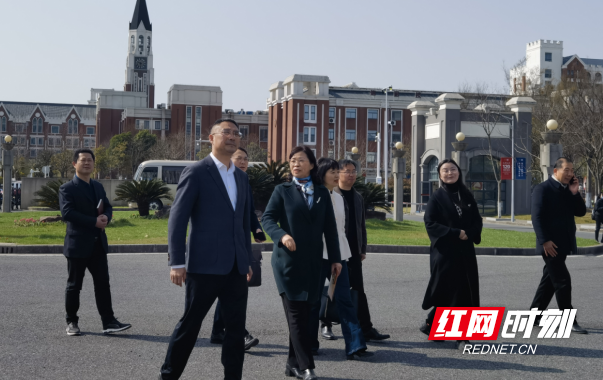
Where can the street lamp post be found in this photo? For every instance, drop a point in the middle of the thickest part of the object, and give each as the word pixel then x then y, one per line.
pixel 7 162
pixel 385 144
pixel 512 125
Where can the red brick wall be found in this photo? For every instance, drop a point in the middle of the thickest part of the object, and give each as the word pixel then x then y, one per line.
pixel 107 125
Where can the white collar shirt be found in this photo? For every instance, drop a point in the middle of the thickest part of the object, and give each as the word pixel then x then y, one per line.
pixel 228 178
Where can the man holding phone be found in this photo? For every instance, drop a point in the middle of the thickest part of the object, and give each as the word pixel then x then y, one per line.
pixel 555 203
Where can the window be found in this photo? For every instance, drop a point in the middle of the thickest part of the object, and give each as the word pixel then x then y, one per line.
pixel 372 136
pixel 309 135
pixel 89 143
pixel 548 57
pixel 433 169
pixel 140 44
pixel 371 157
pixel 72 127
pixel 189 115
pixel 197 123
pixel 157 125
pixel 331 154
pixel 309 113
pixel 373 114
pixel 350 134
pixel 148 45
pixel 263 134
pixel 331 134
pixel 350 113
pixel 171 174
pixel 149 173
pixel 55 129
pixel 547 73
pixel 3 122
pixel 244 129
pixel 332 112
pixel 33 153
pixel 397 116
pixel 90 130
pixel 36 125
pixel 33 141
pixel 167 125
pixel 147 124
pixel 396 136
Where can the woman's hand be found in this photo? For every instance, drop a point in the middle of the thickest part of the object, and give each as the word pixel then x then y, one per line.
pixel 463 235
pixel 288 242
pixel 336 269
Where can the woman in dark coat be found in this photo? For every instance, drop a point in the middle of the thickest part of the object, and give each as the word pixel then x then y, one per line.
pixel 453 225
pixel 298 214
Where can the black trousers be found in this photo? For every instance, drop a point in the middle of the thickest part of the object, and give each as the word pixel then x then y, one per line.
pixel 201 292
pixel 357 283
pixel 99 269
pixel 218 327
pixel 555 281
pixel 298 318
pixel 597 228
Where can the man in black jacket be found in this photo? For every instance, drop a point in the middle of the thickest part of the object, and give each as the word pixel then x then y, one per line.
pixel 356 235
pixel 598 212
pixel 81 201
pixel 555 202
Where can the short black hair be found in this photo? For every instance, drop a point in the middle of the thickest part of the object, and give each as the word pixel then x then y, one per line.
pixel 243 150
pixel 76 154
pixel 324 165
pixel 220 121
pixel 345 162
pixel 560 161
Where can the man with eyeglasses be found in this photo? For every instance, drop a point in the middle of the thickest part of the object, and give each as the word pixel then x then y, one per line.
pixel 213 196
pixel 87 211
pixel 356 235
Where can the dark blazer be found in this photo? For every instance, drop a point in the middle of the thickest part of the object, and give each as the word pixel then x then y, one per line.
pixel 360 222
pixel 553 211
pixel 297 274
pixel 78 209
pixel 218 233
pixel 254 223
pixel 454 277
pixel 599 210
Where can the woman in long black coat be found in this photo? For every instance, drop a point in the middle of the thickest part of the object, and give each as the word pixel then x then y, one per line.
pixel 453 225
pixel 298 214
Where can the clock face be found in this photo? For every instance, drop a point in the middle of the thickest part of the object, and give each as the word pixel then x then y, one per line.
pixel 140 63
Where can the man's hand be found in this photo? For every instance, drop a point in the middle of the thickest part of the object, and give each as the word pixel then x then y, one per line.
pixel 101 221
pixel 574 185
pixel 336 269
pixel 250 274
pixel 178 276
pixel 258 240
pixel 548 248
pixel 362 256
pixel 463 235
pixel 288 242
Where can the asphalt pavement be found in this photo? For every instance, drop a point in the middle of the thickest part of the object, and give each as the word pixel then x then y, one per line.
pixel 33 343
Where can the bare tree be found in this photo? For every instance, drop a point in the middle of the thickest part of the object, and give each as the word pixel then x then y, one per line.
pixel 172 148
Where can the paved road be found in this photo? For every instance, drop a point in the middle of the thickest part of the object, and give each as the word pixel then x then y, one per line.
pixel 33 344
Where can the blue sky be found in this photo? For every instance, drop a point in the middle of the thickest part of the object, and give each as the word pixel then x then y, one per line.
pixel 55 51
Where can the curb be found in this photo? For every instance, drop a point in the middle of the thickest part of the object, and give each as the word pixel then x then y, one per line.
pixel 373 248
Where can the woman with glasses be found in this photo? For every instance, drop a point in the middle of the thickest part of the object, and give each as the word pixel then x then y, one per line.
pixel 355 345
pixel 453 225
pixel 240 159
pixel 298 215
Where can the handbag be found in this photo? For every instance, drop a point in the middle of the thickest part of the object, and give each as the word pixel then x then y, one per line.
pixel 256 267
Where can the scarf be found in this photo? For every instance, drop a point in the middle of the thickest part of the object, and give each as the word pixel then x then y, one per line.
pixel 306 187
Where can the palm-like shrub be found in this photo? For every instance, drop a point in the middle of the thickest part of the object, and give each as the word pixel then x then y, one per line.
pixel 48 195
pixel 278 170
pixel 373 195
pixel 143 193
pixel 262 185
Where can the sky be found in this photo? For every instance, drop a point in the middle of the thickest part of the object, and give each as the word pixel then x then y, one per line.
pixel 55 51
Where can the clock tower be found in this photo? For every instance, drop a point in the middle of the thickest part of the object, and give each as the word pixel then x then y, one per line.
pixel 140 75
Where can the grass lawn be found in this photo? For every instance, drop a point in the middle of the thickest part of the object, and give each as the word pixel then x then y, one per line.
pixel 579 219
pixel 126 230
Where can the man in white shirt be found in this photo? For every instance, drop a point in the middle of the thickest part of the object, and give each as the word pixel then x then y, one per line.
pixel 213 195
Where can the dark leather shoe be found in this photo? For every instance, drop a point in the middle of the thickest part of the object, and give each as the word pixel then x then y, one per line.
pixel 426 328
pixel 327 333
pixel 360 354
pixel 250 341
pixel 373 334
pixel 216 338
pixel 292 372
pixel 308 375
pixel 578 329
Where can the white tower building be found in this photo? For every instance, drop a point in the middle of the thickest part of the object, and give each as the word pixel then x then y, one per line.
pixel 140 75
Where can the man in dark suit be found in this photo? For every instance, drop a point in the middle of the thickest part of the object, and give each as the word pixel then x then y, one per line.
pixel 86 242
pixel 356 235
pixel 213 195
pixel 555 202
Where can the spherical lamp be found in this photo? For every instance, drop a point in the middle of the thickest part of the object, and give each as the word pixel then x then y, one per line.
pixel 460 136
pixel 8 139
pixel 355 150
pixel 399 145
pixel 552 125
